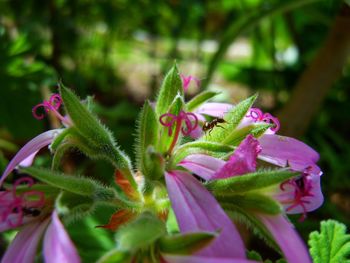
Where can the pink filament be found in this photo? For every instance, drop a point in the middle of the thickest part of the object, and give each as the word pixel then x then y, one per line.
pixel 257 115
pixel 18 202
pixel 168 120
pixel 300 191
pixel 53 105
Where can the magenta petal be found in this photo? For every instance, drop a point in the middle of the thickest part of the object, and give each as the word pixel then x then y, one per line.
pixel 202 165
pixel 310 203
pixel 214 109
pixel 197 210
pixel 242 161
pixel 23 248
pixel 287 238
pixel 200 259
pixel 30 148
pixel 58 247
pixel 281 150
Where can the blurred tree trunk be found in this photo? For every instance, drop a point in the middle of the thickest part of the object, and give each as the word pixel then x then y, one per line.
pixel 314 84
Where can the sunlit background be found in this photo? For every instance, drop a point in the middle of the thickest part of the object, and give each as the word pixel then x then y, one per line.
pixel 294 53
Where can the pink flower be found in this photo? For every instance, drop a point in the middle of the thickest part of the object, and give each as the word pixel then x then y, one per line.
pixel 57 245
pixel 197 210
pixel 243 161
pixel 30 211
pixel 28 151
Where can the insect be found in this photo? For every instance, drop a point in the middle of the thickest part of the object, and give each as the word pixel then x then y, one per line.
pixel 210 125
pixel 31 211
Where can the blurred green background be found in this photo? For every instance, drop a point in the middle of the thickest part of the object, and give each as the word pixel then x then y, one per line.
pixel 294 53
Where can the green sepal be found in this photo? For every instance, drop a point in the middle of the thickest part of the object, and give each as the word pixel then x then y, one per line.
pixel 165 140
pixel 214 149
pixel 141 232
pixel 58 140
pixel 250 182
pixel 147 136
pixel 155 163
pixel 331 244
pixel 248 218
pixel 98 138
pixel 198 100
pixel 74 184
pixel 171 87
pixel 232 119
pixel 48 190
pixel 255 129
pixel 73 206
pixel 185 244
pixel 84 120
pixel 251 201
pixel 115 256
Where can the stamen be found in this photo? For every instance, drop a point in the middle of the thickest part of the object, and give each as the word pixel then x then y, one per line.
pixel 14 205
pixel 168 120
pixel 302 188
pixel 52 105
pixel 257 115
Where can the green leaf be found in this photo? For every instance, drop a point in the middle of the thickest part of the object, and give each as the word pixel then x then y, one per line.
pixel 140 233
pixel 147 158
pixel 255 129
pixel 202 97
pixel 115 256
pixel 232 119
pixel 214 149
pixel 98 138
pixel 171 87
pixel 331 244
pixel 251 201
pixel 75 184
pixel 185 244
pixel 250 182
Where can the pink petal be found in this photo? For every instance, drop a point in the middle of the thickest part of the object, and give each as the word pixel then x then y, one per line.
pixel 23 248
pixel 29 160
pixel 198 259
pixel 242 161
pixel 214 109
pixel 197 210
pixel 202 165
pixel 58 247
pixel 30 148
pixel 281 150
pixel 286 196
pixel 286 237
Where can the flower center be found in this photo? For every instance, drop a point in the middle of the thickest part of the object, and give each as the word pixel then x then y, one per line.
pixel 169 120
pixel 14 207
pixel 53 104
